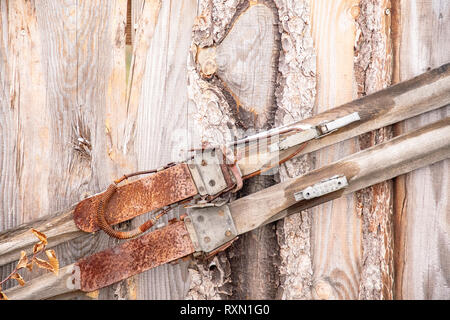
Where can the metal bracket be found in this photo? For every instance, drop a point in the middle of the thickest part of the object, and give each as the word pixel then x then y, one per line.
pixel 207 173
pixel 210 227
pixel 310 133
pixel 324 187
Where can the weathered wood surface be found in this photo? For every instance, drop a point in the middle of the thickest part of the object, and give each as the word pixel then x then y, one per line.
pixel 58 228
pixel 156 81
pixel 58 67
pixel 422 246
pixel 336 239
pixel 73 126
pixel 49 285
pixel 245 64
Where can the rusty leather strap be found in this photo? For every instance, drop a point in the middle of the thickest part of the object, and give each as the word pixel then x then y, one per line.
pixel 160 189
pixel 135 256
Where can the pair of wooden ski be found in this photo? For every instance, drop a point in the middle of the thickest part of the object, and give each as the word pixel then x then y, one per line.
pixel 211 225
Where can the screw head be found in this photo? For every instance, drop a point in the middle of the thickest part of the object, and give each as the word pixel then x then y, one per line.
pixel 228 233
pixel 207 239
pixel 212 183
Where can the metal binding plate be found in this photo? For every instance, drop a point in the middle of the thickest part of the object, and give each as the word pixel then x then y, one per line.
pixel 324 187
pixel 213 227
pixel 207 173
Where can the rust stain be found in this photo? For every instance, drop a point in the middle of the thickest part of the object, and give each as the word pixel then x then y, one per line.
pixel 135 256
pixel 138 197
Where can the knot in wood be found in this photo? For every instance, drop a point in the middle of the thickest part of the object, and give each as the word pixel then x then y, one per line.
pixel 322 290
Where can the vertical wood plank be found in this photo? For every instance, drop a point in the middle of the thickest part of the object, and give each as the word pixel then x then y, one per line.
pixel 422 215
pixel 161 123
pixel 9 200
pixel 336 228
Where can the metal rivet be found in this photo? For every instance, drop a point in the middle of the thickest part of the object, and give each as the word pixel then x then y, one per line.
pixel 388 11
pixel 212 183
pixel 228 233
pixel 201 189
pixel 200 218
pixel 207 239
pixel 204 163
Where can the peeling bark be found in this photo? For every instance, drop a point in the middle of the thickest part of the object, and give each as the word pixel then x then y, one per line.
pixel 210 280
pixel 373 61
pixel 295 101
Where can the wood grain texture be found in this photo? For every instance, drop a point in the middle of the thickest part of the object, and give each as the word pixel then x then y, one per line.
pixel 161 123
pixel 422 244
pixel 245 64
pixel 146 14
pixel 58 229
pixel 49 285
pixel 336 228
pixel 67 94
pixel 386 107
